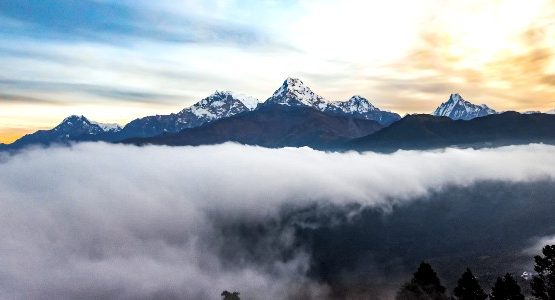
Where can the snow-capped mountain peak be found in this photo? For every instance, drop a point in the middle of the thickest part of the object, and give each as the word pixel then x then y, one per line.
pixel 357 103
pixel 551 112
pixel 75 119
pixel 293 92
pixel 458 108
pixel 75 122
pixel 221 104
pixel 360 107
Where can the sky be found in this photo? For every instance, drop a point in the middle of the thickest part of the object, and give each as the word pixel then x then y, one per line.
pixel 114 61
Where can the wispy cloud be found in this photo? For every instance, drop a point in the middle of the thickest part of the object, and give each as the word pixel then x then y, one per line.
pixel 118 23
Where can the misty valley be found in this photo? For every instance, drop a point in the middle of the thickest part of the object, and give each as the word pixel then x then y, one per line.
pixel 97 220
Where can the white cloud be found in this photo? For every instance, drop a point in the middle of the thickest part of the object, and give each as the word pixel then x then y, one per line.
pixel 99 220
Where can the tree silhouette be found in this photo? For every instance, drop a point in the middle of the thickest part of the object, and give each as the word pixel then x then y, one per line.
pixel 230 296
pixel 543 285
pixel 468 288
pixel 506 288
pixel 424 285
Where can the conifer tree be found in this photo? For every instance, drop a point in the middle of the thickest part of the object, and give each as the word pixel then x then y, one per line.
pixel 468 288
pixel 543 284
pixel 424 285
pixel 506 288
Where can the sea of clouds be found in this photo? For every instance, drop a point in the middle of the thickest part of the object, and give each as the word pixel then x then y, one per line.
pixel 98 220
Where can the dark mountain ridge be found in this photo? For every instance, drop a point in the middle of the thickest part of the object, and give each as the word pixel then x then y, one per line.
pixel 272 125
pixel 427 132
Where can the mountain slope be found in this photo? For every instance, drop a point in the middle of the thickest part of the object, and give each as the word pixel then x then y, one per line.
pixel 216 106
pixel 273 125
pixel 457 108
pixel 359 107
pixel 426 131
pixel 293 92
pixel 72 128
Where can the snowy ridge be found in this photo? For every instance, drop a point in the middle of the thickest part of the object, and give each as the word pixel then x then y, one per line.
pixel 356 104
pixel 81 122
pixel 107 127
pixel 221 104
pixel 550 112
pixel 250 102
pixel 457 108
pixel 359 107
pixel 293 92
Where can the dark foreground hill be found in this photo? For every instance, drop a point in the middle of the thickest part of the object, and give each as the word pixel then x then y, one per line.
pixel 427 132
pixel 273 126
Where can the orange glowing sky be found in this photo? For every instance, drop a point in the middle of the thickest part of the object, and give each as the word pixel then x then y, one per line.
pixel 115 61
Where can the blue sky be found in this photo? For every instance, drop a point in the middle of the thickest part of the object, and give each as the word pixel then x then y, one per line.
pixel 117 60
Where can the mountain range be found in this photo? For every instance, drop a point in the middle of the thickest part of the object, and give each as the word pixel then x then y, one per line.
pixel 427 132
pixel 296 116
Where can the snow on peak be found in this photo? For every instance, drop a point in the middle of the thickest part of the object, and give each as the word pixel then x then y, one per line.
pixel 455 98
pixel 551 111
pixel 75 118
pixel 76 121
pixel 250 102
pixel 457 108
pixel 218 105
pixel 359 103
pixel 107 127
pixel 356 104
pixel 294 92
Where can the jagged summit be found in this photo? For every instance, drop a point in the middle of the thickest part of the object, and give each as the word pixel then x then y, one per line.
pixel 457 108
pixel 75 118
pixel 293 92
pixel 81 122
pixel 248 101
pixel 220 104
pixel 360 107
pixel 357 103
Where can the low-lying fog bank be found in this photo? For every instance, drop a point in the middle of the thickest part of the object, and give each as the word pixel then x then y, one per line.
pixel 114 221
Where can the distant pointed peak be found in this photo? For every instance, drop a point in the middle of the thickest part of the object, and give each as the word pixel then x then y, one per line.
pixel 458 108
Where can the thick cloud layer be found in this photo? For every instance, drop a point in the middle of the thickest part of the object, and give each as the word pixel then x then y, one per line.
pixel 99 220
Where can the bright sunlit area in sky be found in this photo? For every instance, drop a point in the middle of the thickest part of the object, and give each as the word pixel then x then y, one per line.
pixel 114 61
